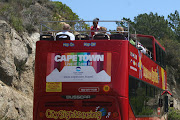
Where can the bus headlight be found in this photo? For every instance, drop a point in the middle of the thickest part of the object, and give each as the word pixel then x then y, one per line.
pixel 106 88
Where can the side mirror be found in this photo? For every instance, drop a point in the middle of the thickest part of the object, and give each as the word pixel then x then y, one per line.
pixel 166 104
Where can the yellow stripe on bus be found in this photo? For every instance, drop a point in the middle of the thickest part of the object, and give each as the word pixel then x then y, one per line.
pixel 163 78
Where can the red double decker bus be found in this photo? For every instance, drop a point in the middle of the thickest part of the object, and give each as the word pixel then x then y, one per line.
pixel 99 79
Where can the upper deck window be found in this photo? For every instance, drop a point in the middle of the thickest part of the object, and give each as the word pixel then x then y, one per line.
pixel 160 55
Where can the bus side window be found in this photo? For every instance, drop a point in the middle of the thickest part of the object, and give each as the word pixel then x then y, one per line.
pixel 143 97
pixel 163 58
pixel 157 53
pixel 160 55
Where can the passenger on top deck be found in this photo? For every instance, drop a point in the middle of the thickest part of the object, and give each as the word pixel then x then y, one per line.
pixel 103 30
pixel 65 31
pixel 120 30
pixel 119 35
pixel 95 27
pixel 143 49
pixel 132 40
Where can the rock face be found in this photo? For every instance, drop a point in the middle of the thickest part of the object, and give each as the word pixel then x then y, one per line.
pixel 14 105
pixel 173 87
pixel 17 55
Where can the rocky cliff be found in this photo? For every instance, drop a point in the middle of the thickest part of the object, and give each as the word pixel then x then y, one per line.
pixel 173 87
pixel 17 54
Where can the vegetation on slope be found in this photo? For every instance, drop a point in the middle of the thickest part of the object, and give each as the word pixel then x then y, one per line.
pixel 174 114
pixel 24 15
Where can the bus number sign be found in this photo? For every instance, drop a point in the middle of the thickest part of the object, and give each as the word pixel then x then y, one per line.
pixel 88 89
pixel 78 97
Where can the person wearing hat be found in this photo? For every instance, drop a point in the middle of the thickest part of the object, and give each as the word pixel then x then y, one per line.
pixel 95 27
pixel 103 30
pixel 120 30
pixel 66 29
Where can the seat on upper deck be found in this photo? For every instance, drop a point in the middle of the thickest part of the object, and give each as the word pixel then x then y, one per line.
pixel 62 37
pixel 47 37
pixel 117 36
pixel 100 36
pixel 82 37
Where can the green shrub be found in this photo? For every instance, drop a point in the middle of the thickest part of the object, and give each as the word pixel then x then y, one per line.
pixel 65 11
pixel 16 22
pixel 30 28
pixel 25 15
pixel 173 114
pixel 4 8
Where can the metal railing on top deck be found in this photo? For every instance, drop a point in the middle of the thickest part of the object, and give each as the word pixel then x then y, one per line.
pixel 79 26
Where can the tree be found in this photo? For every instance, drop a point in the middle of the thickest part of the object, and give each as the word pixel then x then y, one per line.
pixel 172 58
pixel 65 11
pixel 174 23
pixel 152 24
pixel 132 24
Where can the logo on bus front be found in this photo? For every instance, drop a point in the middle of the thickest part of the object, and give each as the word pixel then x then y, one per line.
pixel 78 69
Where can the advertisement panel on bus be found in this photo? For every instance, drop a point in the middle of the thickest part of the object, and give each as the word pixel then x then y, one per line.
pixel 77 67
pixel 144 68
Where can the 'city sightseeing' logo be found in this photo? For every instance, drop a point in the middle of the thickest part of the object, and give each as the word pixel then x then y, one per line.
pixel 63 114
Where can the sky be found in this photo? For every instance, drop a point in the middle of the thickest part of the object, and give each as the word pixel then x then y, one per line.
pixel 117 9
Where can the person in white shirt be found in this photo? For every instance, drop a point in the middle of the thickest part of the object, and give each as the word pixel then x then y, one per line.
pixel 143 49
pixel 66 29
